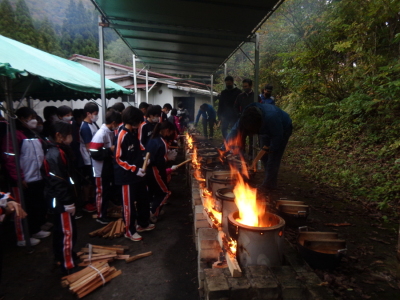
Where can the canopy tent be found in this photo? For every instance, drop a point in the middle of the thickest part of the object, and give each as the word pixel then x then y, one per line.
pixel 25 70
pixel 185 36
pixel 49 77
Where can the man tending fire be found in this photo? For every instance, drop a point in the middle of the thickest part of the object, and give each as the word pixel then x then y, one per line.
pixel 274 128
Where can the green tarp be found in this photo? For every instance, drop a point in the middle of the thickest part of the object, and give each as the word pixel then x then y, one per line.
pixel 50 77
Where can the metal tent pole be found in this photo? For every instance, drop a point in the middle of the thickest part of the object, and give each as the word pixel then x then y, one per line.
pixel 135 79
pixel 147 86
pixel 102 73
pixel 211 90
pixel 256 78
pixel 13 132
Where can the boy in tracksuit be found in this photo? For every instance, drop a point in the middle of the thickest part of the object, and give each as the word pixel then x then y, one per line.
pixel 59 188
pixel 156 173
pixel 102 151
pixel 146 128
pixel 129 174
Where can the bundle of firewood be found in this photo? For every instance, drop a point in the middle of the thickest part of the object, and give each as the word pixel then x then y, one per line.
pixel 89 279
pixel 111 230
pixel 95 253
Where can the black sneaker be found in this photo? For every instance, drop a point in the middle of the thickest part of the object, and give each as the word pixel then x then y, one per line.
pixel 103 220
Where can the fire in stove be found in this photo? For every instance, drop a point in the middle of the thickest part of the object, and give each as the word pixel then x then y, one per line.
pixel 208 203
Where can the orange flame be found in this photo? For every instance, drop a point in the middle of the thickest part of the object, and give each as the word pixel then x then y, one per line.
pixel 251 212
pixel 189 141
pixel 232 245
pixel 234 144
pixel 208 204
pixel 195 161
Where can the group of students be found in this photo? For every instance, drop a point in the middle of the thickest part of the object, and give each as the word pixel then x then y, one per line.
pixel 69 155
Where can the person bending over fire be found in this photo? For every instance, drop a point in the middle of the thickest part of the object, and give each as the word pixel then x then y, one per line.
pixel 274 128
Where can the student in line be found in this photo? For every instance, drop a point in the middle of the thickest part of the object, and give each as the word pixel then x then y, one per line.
pixel 147 127
pixel 129 174
pixel 87 131
pixel 59 187
pixel 156 172
pixel 102 152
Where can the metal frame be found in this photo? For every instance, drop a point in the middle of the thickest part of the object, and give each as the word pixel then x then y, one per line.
pixel 102 68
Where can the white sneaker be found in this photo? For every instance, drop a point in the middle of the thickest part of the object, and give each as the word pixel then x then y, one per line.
pixel 135 238
pixel 34 242
pixel 41 234
pixel 148 228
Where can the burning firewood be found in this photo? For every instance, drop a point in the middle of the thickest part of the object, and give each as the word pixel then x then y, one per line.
pixel 89 279
pixel 111 230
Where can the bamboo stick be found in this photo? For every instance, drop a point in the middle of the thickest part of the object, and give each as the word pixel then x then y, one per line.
pixel 182 163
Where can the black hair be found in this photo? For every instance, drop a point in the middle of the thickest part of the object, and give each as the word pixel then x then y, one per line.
pixel 229 78
pixel 132 116
pixel 90 107
pixel 249 81
pixel 154 110
pixel 113 116
pixel 144 105
pixel 180 105
pixel 49 111
pixel 174 112
pixel 168 106
pixel 63 128
pixel 119 107
pixel 251 120
pixel 161 126
pixel 63 110
pixel 39 119
pixel 25 112
pixel 268 87
pixel 204 106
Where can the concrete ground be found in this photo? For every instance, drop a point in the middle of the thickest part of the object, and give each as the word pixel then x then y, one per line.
pixel 169 274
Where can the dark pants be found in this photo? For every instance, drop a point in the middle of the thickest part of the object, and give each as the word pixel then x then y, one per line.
pixel 210 123
pixel 64 239
pixel 105 190
pixel 272 162
pixel 226 122
pixel 36 206
pixel 135 192
pixel 244 137
pixel 158 190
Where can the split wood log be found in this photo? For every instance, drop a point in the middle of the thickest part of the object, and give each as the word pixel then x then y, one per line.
pixel 99 251
pixel 107 279
pixel 136 257
pixel 119 250
pixel 75 276
pixel 122 256
pixel 120 246
pixel 86 263
pixel 93 281
pixel 233 265
pixel 100 257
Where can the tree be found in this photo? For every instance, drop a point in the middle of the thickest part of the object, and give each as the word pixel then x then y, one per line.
pixel 48 40
pixel 7 20
pixel 26 33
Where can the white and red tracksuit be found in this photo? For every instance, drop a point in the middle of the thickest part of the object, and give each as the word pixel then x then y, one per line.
pixel 31 160
pixel 103 168
pixel 128 159
pixel 156 173
pixel 59 188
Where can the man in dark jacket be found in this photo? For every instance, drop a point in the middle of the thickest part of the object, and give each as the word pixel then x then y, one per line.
pixel 266 97
pixel 209 116
pixel 226 111
pixel 274 127
pixel 244 99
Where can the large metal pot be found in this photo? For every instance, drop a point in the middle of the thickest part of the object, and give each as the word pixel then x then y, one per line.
pixel 210 168
pixel 258 245
pixel 220 180
pixel 321 250
pixel 225 203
